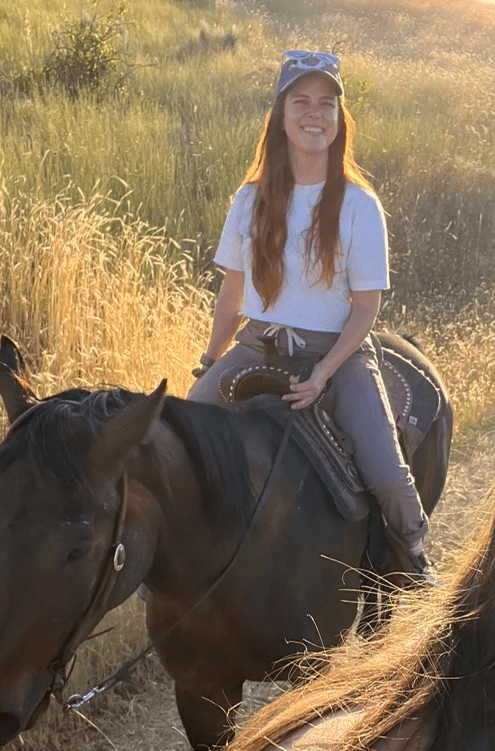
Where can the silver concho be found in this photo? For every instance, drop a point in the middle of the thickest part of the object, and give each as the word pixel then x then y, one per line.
pixel 119 557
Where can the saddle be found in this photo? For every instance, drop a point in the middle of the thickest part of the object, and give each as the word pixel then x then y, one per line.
pixel 414 401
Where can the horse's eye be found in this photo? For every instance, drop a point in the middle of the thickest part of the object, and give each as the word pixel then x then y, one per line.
pixel 76 554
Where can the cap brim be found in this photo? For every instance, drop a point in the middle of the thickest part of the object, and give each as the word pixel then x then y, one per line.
pixel 303 73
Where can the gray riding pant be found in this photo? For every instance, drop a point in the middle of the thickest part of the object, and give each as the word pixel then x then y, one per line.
pixel 362 412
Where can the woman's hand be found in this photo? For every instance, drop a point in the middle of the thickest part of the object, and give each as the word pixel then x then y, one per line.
pixel 305 393
pixel 364 308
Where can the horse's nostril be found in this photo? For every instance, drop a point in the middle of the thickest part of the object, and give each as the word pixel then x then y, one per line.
pixel 9 726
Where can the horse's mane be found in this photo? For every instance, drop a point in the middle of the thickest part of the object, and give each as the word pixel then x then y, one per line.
pixel 211 437
pixel 57 434
pixel 436 657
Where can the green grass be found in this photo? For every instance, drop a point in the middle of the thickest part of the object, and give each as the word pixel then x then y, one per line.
pixel 172 145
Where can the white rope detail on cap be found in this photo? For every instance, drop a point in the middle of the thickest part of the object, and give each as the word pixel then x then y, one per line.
pixel 274 330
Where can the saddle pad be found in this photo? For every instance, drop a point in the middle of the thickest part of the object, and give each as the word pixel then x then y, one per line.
pixel 413 397
pixel 352 505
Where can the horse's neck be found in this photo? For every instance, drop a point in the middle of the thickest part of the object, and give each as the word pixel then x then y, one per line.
pixel 192 547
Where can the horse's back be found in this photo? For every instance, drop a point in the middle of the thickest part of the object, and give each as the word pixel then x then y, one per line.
pixel 430 461
pixel 406 347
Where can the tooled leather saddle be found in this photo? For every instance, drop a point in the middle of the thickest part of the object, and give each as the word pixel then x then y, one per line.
pixel 414 400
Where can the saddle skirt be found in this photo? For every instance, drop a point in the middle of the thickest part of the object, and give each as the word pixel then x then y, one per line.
pixel 414 400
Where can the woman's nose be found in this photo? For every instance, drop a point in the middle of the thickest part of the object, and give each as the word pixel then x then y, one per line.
pixel 314 110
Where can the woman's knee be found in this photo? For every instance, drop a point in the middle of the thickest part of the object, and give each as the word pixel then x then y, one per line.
pixel 206 389
pixel 394 486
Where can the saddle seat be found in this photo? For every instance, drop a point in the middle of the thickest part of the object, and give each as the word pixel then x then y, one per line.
pixel 414 400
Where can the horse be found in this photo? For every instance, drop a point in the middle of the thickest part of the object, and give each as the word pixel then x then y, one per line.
pixel 425 683
pixel 102 490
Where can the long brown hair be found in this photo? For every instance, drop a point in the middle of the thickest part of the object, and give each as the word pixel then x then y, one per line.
pixel 437 656
pixel 272 174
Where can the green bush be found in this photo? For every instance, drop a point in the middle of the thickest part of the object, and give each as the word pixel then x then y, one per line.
pixel 88 53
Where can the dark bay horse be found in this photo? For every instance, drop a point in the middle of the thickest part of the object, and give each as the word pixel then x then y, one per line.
pixel 103 490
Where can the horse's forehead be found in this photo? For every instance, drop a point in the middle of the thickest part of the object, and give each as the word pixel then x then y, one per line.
pixel 28 493
pixel 17 483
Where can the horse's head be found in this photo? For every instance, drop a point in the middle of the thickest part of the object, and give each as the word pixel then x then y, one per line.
pixel 63 504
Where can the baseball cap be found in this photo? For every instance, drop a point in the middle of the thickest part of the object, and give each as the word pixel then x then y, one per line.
pixel 299 63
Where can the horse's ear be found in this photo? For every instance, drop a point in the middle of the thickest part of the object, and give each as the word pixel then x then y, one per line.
pixel 126 429
pixel 15 390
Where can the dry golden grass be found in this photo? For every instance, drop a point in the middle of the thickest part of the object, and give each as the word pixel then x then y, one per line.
pixel 475 10
pixel 95 299
pixel 92 299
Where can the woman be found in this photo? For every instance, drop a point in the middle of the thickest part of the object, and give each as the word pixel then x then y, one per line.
pixel 305 252
pixel 426 683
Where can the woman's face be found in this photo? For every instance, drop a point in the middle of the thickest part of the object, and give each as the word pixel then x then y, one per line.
pixel 311 115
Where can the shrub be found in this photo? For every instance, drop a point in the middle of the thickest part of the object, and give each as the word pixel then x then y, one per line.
pixel 88 53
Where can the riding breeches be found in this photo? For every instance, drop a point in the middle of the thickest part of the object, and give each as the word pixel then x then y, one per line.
pixel 362 412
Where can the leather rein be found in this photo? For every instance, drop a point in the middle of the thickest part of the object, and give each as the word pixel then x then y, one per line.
pixel 114 563
pixel 122 673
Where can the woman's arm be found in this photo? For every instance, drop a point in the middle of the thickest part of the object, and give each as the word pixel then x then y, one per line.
pixel 365 306
pixel 227 316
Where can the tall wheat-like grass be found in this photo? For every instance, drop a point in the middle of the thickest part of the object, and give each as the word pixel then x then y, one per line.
pixel 174 145
pixel 95 298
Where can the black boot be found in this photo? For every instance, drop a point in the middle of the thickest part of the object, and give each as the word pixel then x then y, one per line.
pixel 422 571
pixel 409 570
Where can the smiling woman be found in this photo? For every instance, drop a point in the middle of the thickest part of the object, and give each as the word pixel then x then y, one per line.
pixel 305 252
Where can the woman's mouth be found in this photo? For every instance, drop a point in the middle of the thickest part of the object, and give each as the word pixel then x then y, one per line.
pixel 312 129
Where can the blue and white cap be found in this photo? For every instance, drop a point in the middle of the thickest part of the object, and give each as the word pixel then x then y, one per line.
pixel 299 63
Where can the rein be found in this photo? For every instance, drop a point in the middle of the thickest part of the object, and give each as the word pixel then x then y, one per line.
pixel 76 701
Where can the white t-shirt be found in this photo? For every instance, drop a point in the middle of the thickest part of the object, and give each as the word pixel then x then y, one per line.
pixel 361 264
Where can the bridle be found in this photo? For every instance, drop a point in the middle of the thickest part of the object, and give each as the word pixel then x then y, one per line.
pixel 113 565
pixel 122 673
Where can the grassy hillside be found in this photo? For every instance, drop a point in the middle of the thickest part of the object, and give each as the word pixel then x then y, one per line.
pixel 169 131
pixel 125 129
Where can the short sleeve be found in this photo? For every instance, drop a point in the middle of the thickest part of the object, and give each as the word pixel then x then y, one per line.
pixel 231 249
pixel 367 261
